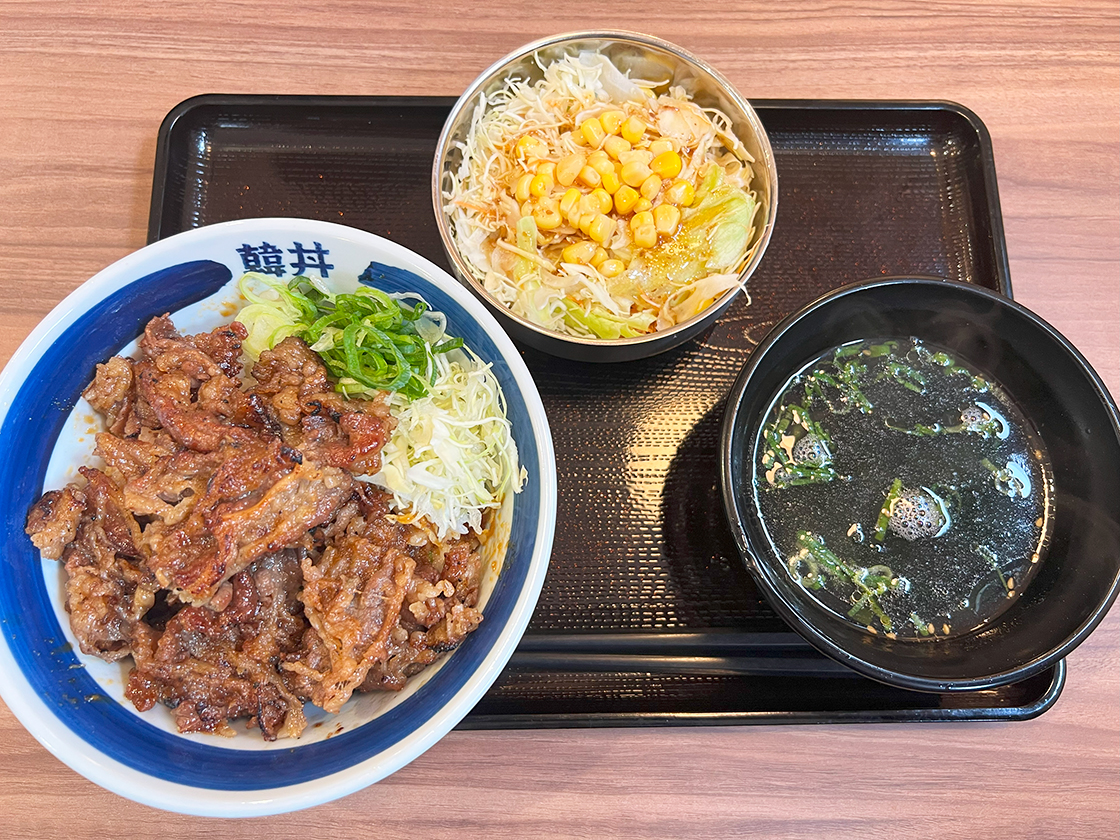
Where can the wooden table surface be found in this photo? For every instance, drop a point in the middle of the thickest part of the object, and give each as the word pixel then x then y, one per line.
pixel 83 87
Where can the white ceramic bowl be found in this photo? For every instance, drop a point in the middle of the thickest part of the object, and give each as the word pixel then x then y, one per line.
pixel 74 704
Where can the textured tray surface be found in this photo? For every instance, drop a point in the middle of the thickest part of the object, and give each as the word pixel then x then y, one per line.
pixel 641 543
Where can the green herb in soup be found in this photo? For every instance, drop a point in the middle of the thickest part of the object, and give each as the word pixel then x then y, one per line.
pixel 903 489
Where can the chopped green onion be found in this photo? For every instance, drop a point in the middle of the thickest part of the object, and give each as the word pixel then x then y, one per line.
pixel 368 340
pixel 869 583
pixel 884 519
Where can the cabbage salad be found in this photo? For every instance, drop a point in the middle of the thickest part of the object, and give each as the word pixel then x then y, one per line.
pixel 593 205
pixel 451 456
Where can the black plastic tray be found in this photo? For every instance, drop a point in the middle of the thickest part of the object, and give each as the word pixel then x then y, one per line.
pixel 647 616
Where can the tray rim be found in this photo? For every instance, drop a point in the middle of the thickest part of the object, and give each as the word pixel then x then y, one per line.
pixel 635 720
pixel 556 647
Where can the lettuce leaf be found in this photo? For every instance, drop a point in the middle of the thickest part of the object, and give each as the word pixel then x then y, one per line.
pixel 714 235
pixel 720 221
pixel 604 324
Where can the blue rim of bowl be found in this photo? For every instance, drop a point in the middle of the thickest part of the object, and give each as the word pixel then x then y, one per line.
pixel 760 570
pixel 39 646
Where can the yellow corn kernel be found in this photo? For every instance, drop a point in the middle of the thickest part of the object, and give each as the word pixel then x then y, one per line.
pixel 531 147
pixel 611 182
pixel 666 217
pixel 573 214
pixel 680 193
pixel 547 215
pixel 590 177
pixel 625 199
pixel 601 228
pixel 570 201
pixel 599 257
pixel 615 146
pixel 644 236
pixel 592 131
pixel 541 185
pixel 567 170
pixel 644 217
pixel 580 252
pixel 640 155
pixel 547 167
pixel 585 221
pixel 521 190
pixel 611 121
pixel 643 205
pixel 612 268
pixel 527 208
pixel 588 204
pixel 603 200
pixel 661 145
pixel 633 129
pixel 667 164
pixel 635 173
pixel 651 186
pixel 602 165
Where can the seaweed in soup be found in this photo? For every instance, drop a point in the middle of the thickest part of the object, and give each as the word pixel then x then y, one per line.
pixel 902 488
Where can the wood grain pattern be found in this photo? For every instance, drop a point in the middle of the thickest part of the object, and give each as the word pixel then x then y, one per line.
pixel 84 87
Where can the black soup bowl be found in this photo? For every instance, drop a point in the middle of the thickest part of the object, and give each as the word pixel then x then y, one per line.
pixel 1047 378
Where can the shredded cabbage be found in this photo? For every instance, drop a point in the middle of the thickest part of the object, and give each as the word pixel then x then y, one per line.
pixel 452 455
pixel 522 264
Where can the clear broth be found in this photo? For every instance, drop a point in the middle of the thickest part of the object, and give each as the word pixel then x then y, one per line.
pixel 903 489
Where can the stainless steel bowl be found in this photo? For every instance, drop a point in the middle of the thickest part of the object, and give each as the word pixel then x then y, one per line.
pixel 628 51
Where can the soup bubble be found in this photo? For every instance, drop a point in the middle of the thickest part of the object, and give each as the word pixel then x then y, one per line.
pixel 811 450
pixel 918 513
